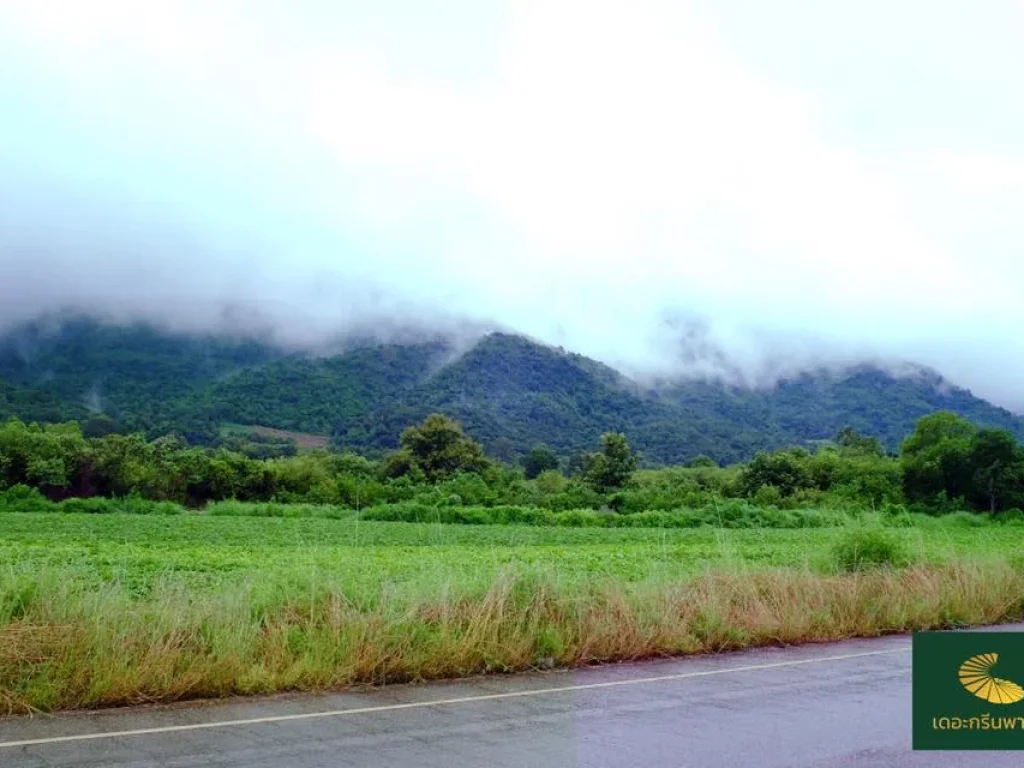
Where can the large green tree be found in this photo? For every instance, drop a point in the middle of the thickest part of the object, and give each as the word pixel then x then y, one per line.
pixel 439 448
pixel 613 467
pixel 539 459
pixel 52 458
pixel 936 458
pixel 997 464
pixel 786 470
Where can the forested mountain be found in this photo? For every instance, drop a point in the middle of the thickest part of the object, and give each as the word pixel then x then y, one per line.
pixel 81 369
pixel 509 392
pixel 816 405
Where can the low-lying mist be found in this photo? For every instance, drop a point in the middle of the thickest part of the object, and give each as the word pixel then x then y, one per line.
pixel 308 174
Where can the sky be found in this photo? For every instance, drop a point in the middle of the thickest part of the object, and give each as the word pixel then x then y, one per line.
pixel 661 185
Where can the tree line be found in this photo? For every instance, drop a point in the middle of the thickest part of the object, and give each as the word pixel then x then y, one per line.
pixel 945 464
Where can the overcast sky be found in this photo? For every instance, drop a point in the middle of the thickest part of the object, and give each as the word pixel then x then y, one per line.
pixel 791 182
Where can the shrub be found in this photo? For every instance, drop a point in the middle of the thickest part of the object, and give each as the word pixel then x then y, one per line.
pixel 22 498
pixel 232 508
pixel 469 516
pixel 767 495
pixel 575 496
pixel 469 489
pixel 785 470
pixel 580 518
pixel 816 518
pixel 404 512
pixel 866 548
pixel 132 505
pixel 510 515
pixel 658 519
pixel 1011 517
pixel 92 506
pixel 734 514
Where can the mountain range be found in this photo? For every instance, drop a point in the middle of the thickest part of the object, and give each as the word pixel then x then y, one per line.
pixel 509 392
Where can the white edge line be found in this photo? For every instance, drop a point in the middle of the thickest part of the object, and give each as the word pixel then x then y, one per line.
pixel 439 702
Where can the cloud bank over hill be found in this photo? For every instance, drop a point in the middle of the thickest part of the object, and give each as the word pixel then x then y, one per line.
pixel 664 186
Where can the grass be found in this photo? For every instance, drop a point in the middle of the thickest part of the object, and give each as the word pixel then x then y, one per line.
pixel 101 610
pixel 866 548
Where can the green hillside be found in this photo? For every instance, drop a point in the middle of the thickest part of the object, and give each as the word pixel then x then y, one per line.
pixel 133 375
pixel 509 392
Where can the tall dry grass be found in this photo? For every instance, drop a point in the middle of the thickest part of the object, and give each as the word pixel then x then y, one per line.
pixel 71 646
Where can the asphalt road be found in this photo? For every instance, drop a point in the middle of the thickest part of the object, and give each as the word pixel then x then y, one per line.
pixel 842 704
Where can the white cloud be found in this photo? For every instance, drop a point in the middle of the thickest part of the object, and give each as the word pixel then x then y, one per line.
pixel 574 170
pixel 979 171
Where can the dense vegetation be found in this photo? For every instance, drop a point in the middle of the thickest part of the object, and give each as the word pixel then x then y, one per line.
pixel 143 567
pixel 945 465
pixel 509 393
pixel 157 546
pixel 97 610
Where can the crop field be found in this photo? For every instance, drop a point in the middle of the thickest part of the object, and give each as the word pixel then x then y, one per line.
pixel 111 609
pixel 353 555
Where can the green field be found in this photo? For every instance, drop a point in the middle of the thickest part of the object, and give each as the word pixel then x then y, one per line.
pixel 353 555
pixel 113 609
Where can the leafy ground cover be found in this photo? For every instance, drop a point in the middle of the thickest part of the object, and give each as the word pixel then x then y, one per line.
pixel 353 553
pixel 120 608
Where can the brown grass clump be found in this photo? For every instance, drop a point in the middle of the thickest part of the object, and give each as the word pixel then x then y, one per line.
pixel 86 648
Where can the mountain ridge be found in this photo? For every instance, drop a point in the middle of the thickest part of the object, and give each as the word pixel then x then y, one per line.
pixel 509 391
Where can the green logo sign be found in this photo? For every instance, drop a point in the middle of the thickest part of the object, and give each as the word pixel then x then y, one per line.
pixel 967 689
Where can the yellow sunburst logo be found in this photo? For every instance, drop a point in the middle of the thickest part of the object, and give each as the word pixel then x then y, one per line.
pixel 976 676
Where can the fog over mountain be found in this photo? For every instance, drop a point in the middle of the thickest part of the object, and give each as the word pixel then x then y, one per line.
pixel 670 187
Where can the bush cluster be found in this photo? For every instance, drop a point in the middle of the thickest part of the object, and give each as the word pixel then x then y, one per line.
pixel 946 466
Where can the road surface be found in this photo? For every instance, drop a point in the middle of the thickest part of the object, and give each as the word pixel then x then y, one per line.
pixel 823 706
